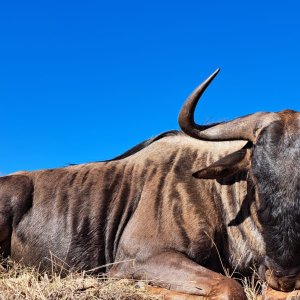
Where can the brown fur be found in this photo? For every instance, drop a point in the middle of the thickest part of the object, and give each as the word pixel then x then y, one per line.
pixel 146 207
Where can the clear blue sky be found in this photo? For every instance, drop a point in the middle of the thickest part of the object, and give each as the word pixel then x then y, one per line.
pixel 85 80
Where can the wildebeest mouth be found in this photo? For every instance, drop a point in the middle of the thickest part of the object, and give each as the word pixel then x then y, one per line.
pixel 278 278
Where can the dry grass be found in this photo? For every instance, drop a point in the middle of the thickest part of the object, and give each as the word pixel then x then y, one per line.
pixel 252 286
pixel 19 282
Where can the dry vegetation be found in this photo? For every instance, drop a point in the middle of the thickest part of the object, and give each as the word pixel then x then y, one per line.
pixel 19 282
pixel 252 287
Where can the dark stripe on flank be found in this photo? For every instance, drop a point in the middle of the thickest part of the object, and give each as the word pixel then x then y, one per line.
pixel 72 177
pixel 176 206
pixel 85 176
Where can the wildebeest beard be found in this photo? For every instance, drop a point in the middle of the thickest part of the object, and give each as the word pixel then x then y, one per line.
pixel 277 180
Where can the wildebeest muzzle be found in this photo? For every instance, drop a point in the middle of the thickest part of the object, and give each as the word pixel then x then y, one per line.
pixel 278 278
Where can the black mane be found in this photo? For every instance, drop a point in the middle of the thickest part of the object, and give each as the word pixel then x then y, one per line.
pixel 145 144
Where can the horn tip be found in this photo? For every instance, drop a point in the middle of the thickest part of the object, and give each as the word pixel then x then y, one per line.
pixel 217 71
pixel 212 76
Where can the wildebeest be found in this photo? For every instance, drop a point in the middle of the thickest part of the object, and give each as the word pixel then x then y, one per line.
pixel 167 208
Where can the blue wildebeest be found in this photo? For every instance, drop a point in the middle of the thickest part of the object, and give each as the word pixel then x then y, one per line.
pixel 171 204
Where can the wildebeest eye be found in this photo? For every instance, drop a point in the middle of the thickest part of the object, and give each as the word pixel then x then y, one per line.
pixel 277 273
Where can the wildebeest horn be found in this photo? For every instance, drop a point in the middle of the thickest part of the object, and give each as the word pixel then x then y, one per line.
pixel 244 128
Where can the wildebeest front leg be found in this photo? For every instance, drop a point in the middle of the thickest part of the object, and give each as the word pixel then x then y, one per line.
pixel 176 272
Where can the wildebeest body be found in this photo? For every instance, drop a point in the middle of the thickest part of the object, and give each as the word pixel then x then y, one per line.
pixel 86 214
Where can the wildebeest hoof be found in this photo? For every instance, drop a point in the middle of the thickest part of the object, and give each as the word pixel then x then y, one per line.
pixel 227 289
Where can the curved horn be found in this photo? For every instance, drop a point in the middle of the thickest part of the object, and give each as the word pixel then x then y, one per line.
pixel 186 115
pixel 244 128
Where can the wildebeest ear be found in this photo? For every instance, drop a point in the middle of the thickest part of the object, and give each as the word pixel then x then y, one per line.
pixel 226 166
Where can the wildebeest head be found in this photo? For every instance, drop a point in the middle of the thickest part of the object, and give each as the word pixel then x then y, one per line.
pixel 270 157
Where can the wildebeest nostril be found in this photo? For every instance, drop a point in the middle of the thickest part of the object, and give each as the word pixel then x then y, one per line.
pixel 287 285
